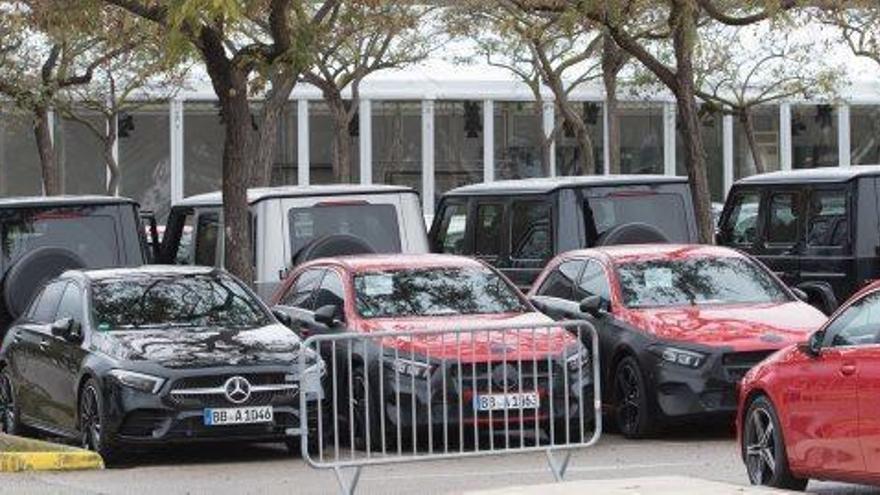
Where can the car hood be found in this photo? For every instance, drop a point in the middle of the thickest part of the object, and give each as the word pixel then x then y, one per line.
pixel 202 347
pixel 742 327
pixel 479 346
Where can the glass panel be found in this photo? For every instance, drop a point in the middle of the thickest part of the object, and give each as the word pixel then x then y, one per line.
pixel 742 224
pixel 568 159
pixel 300 295
pixel 145 158
pixel 207 233
pixel 19 159
pixel 487 235
pixel 284 170
pixel 450 237
pixel 593 282
pixel 814 136
pixel 858 324
pixel 560 282
pixel 641 138
pixel 783 219
pixel 331 292
pixel 321 147
pixel 827 224
pixel 397 143
pixel 373 224
pixel 80 156
pixel 458 144
pixel 518 136
pixel 203 135
pixel 712 130
pixel 765 120
pixel 530 231
pixel 865 134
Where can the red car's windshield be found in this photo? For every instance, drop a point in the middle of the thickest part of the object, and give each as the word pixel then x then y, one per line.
pixel 434 292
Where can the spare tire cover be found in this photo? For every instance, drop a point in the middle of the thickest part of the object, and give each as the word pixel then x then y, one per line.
pixel 632 233
pixel 333 245
pixel 31 272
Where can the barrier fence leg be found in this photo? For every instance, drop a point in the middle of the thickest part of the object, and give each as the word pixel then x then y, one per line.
pixel 558 466
pixel 347 484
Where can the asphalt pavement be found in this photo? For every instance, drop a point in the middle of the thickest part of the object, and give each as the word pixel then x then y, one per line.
pixel 268 469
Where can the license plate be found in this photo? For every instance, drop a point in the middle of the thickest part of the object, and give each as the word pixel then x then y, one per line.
pixel 238 416
pixel 501 402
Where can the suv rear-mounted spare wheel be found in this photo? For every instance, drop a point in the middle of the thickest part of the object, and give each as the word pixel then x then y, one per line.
pixel 332 245
pixel 632 233
pixel 30 273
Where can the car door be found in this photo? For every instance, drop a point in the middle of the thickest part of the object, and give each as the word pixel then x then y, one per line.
pixel 63 360
pixel 32 339
pixel 781 237
pixel 331 292
pixel 828 248
pixel 299 300
pixel 559 284
pixel 740 225
pixel 594 281
pixel 449 231
pixel 531 239
pixel 821 403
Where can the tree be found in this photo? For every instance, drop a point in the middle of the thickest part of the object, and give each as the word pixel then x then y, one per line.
pixel 741 69
pixel 247 47
pixel 146 72
pixel 45 51
pixel 613 61
pixel 364 37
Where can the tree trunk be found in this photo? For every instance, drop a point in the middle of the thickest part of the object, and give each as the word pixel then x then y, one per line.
pixel 109 142
pixel 46 148
pixel 266 136
pixel 745 117
pixel 342 166
pixel 613 60
pixel 581 134
pixel 682 20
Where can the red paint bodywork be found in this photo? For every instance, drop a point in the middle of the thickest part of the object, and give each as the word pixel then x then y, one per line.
pixel 742 327
pixel 828 406
pixel 477 346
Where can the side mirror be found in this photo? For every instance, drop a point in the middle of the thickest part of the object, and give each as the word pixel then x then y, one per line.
pixel 814 345
pixel 67 329
pixel 800 294
pixel 592 305
pixel 282 317
pixel 326 315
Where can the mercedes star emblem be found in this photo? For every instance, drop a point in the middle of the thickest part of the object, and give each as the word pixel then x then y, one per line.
pixel 238 389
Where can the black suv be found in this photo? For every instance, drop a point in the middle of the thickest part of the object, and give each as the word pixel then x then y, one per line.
pixel 41 237
pixel 519 225
pixel 818 229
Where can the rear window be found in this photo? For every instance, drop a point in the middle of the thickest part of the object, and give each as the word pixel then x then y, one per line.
pixel 666 212
pixel 375 224
pixel 89 232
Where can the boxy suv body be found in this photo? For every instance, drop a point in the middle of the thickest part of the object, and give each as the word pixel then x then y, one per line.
pixel 519 225
pixel 294 224
pixel 818 229
pixel 41 237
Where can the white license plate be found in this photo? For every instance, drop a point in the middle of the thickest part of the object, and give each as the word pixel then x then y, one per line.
pixel 501 402
pixel 238 416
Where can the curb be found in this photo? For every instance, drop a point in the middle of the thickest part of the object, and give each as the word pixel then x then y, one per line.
pixel 25 454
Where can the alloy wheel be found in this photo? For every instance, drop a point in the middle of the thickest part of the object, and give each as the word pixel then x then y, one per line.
pixel 90 419
pixel 761 447
pixel 359 400
pixel 629 398
pixel 7 405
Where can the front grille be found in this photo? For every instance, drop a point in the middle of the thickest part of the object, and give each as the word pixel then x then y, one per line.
pixel 143 422
pixel 207 391
pixel 737 364
pixel 195 428
pixel 528 374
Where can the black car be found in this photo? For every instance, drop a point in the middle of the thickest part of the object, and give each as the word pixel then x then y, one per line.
pixel 817 229
pixel 129 357
pixel 41 237
pixel 519 225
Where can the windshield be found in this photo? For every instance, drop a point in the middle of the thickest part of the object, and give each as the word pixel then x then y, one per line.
pixel 174 301
pixel 694 281
pixel 434 292
pixel 374 224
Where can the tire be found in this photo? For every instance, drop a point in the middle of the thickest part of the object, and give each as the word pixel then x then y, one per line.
pixel 31 272
pixel 632 411
pixel 359 395
pixel 332 245
pixel 92 413
pixel 763 448
pixel 632 233
pixel 9 412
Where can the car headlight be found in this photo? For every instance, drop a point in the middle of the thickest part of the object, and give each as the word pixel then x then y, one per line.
pixel 138 381
pixel 310 382
pixel 682 357
pixel 578 361
pixel 409 367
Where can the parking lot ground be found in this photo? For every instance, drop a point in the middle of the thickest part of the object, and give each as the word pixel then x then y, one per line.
pixel 661 485
pixel 268 469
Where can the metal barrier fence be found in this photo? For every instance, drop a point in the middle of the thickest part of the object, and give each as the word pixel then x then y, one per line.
pixel 410 396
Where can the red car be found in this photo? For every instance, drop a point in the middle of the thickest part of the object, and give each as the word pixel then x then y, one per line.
pixel 503 372
pixel 813 410
pixel 679 325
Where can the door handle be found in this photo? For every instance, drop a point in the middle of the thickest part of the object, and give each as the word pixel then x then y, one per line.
pixel 16 337
pixel 847 369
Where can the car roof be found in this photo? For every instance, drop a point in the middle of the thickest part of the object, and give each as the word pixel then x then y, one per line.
pixel 646 252
pixel 141 271
pixel 549 184
pixel 813 175
pixel 68 200
pixel 370 262
pixel 256 195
